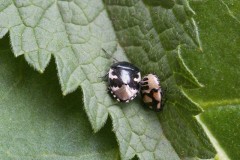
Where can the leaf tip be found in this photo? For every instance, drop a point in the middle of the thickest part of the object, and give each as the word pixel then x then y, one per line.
pixel 41 71
pixel 201 85
pixel 95 130
pixel 64 93
pixel 200 49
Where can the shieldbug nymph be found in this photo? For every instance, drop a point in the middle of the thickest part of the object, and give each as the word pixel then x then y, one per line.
pixel 123 81
pixel 151 92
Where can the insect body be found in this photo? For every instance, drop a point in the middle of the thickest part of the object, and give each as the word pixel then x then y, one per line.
pixel 123 81
pixel 151 92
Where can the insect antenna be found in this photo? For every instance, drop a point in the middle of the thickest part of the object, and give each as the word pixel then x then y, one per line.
pixel 109 56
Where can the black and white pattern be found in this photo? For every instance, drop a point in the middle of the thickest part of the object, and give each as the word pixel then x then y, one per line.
pixel 123 81
pixel 151 92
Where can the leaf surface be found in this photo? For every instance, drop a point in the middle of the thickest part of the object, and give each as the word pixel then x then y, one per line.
pixel 217 68
pixel 37 122
pixel 150 32
pixel 223 124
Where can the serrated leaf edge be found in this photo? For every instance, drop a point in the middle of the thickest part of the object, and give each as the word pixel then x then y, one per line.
pixel 187 69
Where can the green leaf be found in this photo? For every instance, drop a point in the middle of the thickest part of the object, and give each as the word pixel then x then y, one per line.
pixel 150 32
pixel 223 123
pixel 217 68
pixel 139 133
pixel 75 35
pixel 38 123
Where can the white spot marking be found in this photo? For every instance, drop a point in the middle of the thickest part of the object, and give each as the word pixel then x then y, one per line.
pixel 111 76
pixel 125 77
pixel 115 88
pixel 138 79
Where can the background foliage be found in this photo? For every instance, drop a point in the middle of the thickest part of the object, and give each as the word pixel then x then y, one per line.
pixel 217 67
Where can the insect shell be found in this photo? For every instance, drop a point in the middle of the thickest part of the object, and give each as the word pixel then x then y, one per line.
pixel 151 92
pixel 123 81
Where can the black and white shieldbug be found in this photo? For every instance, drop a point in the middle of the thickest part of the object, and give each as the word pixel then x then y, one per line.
pixel 123 81
pixel 151 92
